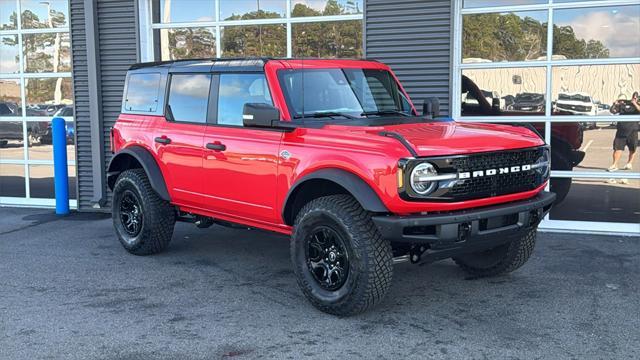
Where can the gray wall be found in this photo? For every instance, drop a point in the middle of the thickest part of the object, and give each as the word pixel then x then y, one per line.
pixel 414 38
pixel 98 87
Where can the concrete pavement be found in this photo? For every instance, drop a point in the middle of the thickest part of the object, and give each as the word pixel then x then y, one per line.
pixel 68 290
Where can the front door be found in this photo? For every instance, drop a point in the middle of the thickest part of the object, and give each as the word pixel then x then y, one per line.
pixel 179 142
pixel 240 164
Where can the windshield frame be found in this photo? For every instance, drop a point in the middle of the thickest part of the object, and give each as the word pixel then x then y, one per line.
pixel 351 115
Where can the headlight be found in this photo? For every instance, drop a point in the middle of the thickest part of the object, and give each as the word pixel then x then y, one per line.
pixel 543 165
pixel 422 181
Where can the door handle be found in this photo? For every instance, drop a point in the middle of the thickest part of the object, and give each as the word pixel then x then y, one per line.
pixel 216 146
pixel 163 140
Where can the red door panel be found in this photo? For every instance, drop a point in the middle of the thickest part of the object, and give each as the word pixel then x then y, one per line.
pixel 181 154
pixel 240 170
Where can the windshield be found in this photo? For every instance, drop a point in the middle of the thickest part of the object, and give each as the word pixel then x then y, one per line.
pixel 575 97
pixel 528 97
pixel 352 92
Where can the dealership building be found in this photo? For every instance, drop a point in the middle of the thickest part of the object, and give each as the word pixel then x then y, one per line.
pixel 556 64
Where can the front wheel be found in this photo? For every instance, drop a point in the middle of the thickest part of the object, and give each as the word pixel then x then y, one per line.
pixel 143 221
pixel 499 260
pixel 341 262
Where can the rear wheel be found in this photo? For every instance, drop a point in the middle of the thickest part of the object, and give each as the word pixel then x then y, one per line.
pixel 143 221
pixel 499 260
pixel 341 262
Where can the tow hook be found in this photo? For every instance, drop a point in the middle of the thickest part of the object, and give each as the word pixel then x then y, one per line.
pixel 464 230
pixel 415 253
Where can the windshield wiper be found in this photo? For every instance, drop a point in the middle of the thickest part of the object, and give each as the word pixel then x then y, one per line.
pixel 384 112
pixel 322 114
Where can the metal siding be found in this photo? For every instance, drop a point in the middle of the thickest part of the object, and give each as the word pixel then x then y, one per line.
pixel 414 38
pixel 117 41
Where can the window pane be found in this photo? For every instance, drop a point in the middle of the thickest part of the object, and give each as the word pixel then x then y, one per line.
pixel 11 140
pixel 236 90
pixel 507 91
pixel 189 97
pixel 520 36
pixel 9 60
pixel 172 11
pixel 600 32
pixel 258 40
pixel 577 90
pixel 609 200
pixel 8 18
pixel 185 43
pixel 301 8
pixel 589 145
pixel 48 52
pixel 41 140
pixel 488 3
pixel 10 100
pixel 142 92
pixel 41 181
pixel 336 39
pixel 45 96
pixel 38 14
pixel 12 180
pixel 251 9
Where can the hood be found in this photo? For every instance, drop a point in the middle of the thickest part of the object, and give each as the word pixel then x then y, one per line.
pixel 453 138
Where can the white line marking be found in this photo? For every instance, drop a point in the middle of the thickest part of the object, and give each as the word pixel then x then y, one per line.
pixel 586 147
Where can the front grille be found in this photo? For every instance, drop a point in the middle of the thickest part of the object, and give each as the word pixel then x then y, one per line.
pixel 499 184
pixel 487 186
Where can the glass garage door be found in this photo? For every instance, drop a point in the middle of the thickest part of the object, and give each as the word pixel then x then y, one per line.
pixel 35 85
pixel 570 68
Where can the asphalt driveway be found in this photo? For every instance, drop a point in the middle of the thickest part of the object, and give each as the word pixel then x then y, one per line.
pixel 68 290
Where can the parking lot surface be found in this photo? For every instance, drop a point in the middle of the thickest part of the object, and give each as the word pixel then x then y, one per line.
pixel 68 290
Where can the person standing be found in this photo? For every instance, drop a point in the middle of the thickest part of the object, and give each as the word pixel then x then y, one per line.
pixel 626 132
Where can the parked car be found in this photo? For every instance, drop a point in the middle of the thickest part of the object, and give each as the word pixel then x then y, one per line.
pixel 528 102
pixel 332 153
pixel 576 103
pixel 66 111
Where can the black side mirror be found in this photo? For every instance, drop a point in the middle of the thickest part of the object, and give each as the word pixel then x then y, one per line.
pixel 260 115
pixel 431 107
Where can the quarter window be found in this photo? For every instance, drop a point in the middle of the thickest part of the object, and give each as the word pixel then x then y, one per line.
pixel 142 92
pixel 189 97
pixel 236 90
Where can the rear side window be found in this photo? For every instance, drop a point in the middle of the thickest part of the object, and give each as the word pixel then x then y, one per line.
pixel 189 97
pixel 142 92
pixel 236 90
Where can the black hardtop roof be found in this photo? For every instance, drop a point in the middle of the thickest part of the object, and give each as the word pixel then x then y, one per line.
pixel 238 62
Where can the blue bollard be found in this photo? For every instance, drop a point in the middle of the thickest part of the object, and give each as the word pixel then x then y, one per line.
pixel 60 172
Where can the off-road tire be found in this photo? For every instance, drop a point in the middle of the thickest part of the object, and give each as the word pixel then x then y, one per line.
pixel 370 256
pixel 500 260
pixel 158 215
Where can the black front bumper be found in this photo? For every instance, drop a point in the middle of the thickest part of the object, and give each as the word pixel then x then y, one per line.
pixel 449 234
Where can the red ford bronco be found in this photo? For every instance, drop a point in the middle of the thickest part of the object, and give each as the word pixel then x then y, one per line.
pixel 332 153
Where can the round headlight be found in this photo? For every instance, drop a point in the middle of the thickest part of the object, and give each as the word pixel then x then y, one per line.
pixel 543 164
pixel 419 178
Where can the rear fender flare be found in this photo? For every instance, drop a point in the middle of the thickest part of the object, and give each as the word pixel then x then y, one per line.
pixel 123 161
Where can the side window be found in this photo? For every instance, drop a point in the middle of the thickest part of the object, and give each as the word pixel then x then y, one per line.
pixel 236 90
pixel 189 97
pixel 142 92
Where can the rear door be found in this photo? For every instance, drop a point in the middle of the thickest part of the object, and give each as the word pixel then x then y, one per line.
pixel 179 142
pixel 240 164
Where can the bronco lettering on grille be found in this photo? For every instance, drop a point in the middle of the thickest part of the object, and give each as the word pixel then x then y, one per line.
pixel 491 172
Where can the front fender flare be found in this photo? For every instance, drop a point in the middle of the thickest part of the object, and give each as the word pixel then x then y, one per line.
pixel 356 186
pixel 146 161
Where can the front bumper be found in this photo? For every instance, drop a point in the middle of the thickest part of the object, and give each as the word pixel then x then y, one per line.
pixel 452 233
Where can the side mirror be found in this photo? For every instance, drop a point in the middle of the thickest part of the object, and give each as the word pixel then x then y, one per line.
pixel 431 107
pixel 259 115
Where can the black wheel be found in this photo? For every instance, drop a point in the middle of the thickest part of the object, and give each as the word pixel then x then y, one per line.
pixel 341 262
pixel 143 221
pixel 500 260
